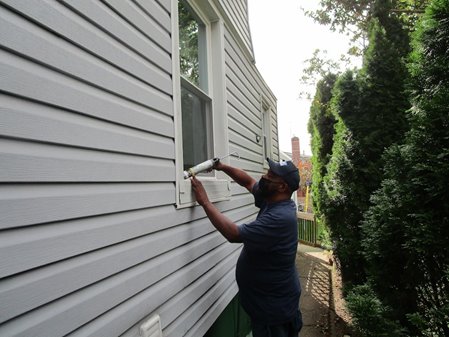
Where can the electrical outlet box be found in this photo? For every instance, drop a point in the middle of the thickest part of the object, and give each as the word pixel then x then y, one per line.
pixel 152 327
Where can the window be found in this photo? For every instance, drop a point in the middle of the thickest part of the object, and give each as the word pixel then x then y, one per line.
pixel 195 102
pixel 266 132
pixel 199 96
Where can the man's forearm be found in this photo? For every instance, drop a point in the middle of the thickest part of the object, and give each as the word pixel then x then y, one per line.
pixel 225 226
pixel 239 176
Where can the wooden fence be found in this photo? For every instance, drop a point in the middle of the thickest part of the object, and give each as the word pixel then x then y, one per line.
pixel 307 229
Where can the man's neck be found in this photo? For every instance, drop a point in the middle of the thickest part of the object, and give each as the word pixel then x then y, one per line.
pixel 277 198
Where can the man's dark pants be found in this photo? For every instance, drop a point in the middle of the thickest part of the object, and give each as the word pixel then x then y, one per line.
pixel 289 329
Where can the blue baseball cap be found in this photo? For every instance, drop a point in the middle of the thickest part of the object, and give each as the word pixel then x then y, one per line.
pixel 287 171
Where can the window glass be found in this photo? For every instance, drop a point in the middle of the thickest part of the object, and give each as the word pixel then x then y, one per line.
pixel 195 102
pixel 266 133
pixel 195 126
pixel 192 46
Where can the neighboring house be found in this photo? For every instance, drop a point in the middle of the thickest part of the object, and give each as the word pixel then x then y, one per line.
pixel 99 233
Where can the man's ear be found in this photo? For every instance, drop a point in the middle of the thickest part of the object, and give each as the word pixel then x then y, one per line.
pixel 284 187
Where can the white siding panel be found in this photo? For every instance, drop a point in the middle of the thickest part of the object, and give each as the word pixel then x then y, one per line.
pixel 46 244
pixel 22 119
pixel 216 283
pixel 91 242
pixel 63 316
pixel 68 25
pixel 157 12
pixel 237 108
pixel 30 290
pixel 32 162
pixel 243 90
pixel 23 78
pixel 236 138
pixel 181 282
pixel 136 17
pixel 26 38
pixel 22 205
pixel 164 3
pixel 237 12
pixel 214 312
pixel 102 16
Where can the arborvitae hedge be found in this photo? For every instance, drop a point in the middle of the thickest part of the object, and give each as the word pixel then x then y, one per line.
pixel 406 231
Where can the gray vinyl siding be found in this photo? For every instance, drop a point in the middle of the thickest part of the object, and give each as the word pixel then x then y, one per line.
pixel 245 89
pixel 91 241
pixel 237 12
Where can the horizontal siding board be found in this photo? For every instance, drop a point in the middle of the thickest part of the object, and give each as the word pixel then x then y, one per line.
pixel 246 154
pixel 238 103
pixel 212 285
pixel 166 4
pixel 102 16
pixel 246 74
pixel 67 314
pixel 236 138
pixel 117 320
pixel 22 119
pixel 50 243
pixel 239 128
pixel 157 12
pixel 22 205
pixel 232 48
pixel 28 291
pixel 27 39
pixel 213 313
pixel 245 95
pixel 242 119
pixel 31 81
pixel 68 25
pixel 186 300
pixel 23 161
pixel 240 21
pixel 142 22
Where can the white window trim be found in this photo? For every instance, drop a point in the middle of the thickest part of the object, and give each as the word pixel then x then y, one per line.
pixel 266 114
pixel 218 186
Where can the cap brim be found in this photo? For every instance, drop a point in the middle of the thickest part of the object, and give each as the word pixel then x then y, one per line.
pixel 274 167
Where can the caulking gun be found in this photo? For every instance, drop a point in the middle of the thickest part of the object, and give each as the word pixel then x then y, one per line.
pixel 205 166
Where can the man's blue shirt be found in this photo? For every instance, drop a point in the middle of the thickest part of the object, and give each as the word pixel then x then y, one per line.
pixel 266 273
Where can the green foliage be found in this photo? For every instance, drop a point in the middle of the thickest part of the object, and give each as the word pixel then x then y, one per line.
pixel 370 316
pixel 321 126
pixel 188 43
pixel 407 227
pixel 384 189
pixel 354 17
pixel 341 189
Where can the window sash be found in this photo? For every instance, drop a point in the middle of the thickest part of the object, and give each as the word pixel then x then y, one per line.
pixel 197 125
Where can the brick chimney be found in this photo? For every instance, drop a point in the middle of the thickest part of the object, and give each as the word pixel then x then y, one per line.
pixel 296 156
pixel 296 153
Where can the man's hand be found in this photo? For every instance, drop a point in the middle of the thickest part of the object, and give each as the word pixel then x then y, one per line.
pixel 218 165
pixel 200 192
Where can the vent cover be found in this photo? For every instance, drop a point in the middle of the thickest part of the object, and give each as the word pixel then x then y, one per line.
pixel 152 327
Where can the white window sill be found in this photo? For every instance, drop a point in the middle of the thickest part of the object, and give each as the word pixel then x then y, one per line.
pixel 216 189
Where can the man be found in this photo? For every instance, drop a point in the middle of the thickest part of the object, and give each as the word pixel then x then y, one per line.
pixel 266 274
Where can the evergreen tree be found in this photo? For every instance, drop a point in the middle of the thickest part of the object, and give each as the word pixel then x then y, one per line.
pixel 321 127
pixel 370 112
pixel 340 183
pixel 407 228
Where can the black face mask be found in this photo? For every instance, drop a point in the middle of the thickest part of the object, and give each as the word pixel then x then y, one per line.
pixel 264 188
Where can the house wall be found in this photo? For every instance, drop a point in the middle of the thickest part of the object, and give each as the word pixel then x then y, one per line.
pixel 91 241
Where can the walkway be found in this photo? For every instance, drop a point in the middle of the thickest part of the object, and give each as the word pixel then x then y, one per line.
pixel 318 305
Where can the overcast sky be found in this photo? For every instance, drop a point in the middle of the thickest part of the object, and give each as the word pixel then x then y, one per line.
pixel 282 39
